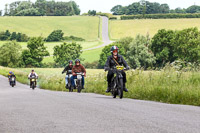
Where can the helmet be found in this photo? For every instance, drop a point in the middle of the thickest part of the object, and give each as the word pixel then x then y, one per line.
pixel 32 70
pixel 77 60
pixel 70 61
pixel 114 48
pixel 10 72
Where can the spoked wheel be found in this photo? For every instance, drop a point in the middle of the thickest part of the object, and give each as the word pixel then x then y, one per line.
pixel 33 85
pixel 120 89
pixel 79 86
pixel 114 90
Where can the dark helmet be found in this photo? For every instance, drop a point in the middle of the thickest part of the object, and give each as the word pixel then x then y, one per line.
pixel 77 60
pixel 70 61
pixel 32 70
pixel 114 48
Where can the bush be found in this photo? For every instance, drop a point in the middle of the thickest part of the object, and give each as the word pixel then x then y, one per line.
pixel 161 16
pixel 19 37
pixel 56 35
pixel 73 38
pixel 92 65
pixel 113 18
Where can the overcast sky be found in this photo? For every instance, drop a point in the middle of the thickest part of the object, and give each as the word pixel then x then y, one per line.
pixel 106 5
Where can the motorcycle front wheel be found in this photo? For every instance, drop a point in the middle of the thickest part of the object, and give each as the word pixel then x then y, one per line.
pixel 79 86
pixel 120 88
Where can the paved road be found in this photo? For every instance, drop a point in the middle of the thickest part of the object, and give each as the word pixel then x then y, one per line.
pixel 23 110
pixel 105 36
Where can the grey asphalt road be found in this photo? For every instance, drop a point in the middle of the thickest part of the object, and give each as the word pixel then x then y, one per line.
pixel 105 36
pixel 23 110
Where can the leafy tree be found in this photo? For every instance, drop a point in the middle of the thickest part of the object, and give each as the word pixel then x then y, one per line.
pixel 65 52
pixel 35 53
pixel 56 35
pixel 162 47
pixel 193 9
pixel 139 55
pixel 187 45
pixel 117 10
pixel 92 12
pixel 10 55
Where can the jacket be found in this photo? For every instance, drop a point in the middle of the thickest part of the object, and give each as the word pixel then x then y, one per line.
pixel 67 68
pixel 78 69
pixel 110 63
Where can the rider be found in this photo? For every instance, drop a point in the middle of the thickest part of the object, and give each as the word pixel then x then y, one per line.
pixel 10 75
pixel 32 74
pixel 112 61
pixel 77 69
pixel 67 68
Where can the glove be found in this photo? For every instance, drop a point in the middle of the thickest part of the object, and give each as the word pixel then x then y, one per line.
pixel 106 69
pixel 128 67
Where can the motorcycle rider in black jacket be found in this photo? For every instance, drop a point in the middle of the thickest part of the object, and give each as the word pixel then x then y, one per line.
pixel 67 68
pixel 111 63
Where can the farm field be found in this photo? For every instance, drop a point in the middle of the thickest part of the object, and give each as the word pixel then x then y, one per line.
pixel 123 28
pixel 80 26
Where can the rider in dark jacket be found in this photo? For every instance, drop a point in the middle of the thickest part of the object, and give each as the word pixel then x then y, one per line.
pixel 111 63
pixel 67 68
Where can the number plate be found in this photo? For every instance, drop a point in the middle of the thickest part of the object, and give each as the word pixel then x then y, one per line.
pixel 79 76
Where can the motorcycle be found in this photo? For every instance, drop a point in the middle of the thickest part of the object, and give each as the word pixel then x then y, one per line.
pixel 33 82
pixel 12 81
pixel 69 81
pixel 78 82
pixel 117 82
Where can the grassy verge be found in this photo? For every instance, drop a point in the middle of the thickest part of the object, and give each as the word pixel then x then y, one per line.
pixel 167 86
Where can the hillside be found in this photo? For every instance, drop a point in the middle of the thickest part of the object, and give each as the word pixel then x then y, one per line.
pixel 81 26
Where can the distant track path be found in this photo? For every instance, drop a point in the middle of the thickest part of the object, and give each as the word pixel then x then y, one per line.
pixel 23 110
pixel 105 34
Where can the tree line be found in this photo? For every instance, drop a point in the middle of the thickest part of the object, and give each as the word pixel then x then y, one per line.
pixel 41 8
pixel 146 7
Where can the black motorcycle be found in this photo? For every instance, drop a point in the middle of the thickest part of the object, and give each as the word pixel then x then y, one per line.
pixel 69 86
pixel 33 81
pixel 12 81
pixel 78 82
pixel 117 82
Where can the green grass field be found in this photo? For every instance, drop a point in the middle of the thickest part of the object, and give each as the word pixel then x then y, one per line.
pixel 123 28
pixel 81 26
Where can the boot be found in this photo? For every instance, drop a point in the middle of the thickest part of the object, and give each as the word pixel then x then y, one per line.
pixel 66 86
pixel 109 88
pixel 125 89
